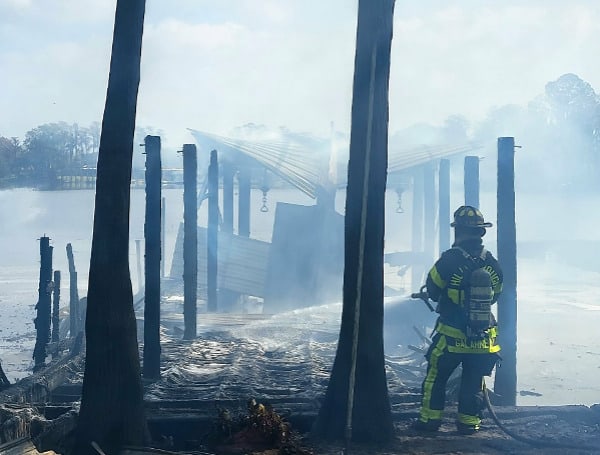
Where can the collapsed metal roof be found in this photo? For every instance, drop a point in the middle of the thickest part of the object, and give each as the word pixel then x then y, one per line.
pixel 304 160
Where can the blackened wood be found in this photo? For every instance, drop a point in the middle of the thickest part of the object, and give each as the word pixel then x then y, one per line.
pixel 152 228
pixel 228 170
pixel 4 382
pixel 213 229
pixel 362 314
pixel 75 322
pixel 244 190
pixel 505 383
pixel 138 259
pixel 163 222
pixel 56 307
pixel 112 412
pixel 429 209
pixel 472 181
pixel 417 227
pixel 44 304
pixel 190 240
pixel 444 204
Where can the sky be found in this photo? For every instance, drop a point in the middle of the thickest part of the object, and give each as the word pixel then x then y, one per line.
pixel 213 65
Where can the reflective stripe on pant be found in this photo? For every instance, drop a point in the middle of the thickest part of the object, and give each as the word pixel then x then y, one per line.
pixel 441 364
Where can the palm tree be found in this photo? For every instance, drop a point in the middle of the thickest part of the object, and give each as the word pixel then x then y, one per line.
pixel 112 412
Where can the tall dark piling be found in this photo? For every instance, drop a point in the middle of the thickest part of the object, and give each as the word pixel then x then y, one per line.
pixel 190 240
pixel 138 261
pixel 44 304
pixel 429 210
pixel 506 376
pixel 471 177
pixel 213 229
pixel 75 322
pixel 163 222
pixel 151 368
pixel 444 206
pixel 227 298
pixel 356 404
pixel 56 307
pixel 244 190
pixel 228 176
pixel 417 229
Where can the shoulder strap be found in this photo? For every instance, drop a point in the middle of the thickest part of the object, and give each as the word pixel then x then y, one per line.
pixel 477 261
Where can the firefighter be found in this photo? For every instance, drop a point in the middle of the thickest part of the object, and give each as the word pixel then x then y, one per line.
pixel 457 340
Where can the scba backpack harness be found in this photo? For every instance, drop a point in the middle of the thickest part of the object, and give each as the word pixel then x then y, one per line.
pixel 478 296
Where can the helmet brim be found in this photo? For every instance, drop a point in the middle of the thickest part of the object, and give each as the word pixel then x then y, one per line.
pixel 477 226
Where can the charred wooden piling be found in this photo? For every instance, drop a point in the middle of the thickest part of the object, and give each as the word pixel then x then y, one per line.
pixel 56 307
pixel 505 383
pixel 444 204
pixel 44 304
pixel 429 210
pixel 471 181
pixel 138 261
pixel 163 222
pixel 228 176
pixel 417 228
pixel 152 224
pixel 75 322
pixel 190 240
pixel 244 189
pixel 357 404
pixel 213 231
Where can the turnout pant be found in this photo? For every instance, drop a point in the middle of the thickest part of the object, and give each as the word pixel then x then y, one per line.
pixel 441 364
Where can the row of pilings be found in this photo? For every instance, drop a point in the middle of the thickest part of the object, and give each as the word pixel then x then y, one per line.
pixel 47 319
pixel 423 220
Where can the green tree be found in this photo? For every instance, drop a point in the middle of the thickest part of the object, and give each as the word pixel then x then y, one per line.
pixel 112 410
pixel 54 149
pixel 10 153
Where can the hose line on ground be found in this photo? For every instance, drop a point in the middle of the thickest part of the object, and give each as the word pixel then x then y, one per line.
pixel 533 442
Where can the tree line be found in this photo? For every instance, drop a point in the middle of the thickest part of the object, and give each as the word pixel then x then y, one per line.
pixel 559 131
pixel 56 149
pixel 48 151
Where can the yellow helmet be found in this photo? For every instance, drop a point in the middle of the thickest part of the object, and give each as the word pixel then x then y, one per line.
pixel 470 217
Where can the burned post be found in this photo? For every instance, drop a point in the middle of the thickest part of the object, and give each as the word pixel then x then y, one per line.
pixel 75 323
pixel 417 229
pixel 356 404
pixel 228 170
pixel 44 305
pixel 190 241
pixel 112 412
pixel 4 382
pixel 244 190
pixel 213 231
pixel 471 177
pixel 138 260
pixel 163 222
pixel 505 383
pixel 444 205
pixel 429 208
pixel 152 224
pixel 56 307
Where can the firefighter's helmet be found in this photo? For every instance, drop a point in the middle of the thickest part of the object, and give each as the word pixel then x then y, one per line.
pixel 470 217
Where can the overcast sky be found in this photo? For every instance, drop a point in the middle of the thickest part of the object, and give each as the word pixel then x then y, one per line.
pixel 217 64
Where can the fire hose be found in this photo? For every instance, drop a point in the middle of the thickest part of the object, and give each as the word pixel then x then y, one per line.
pixel 422 295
